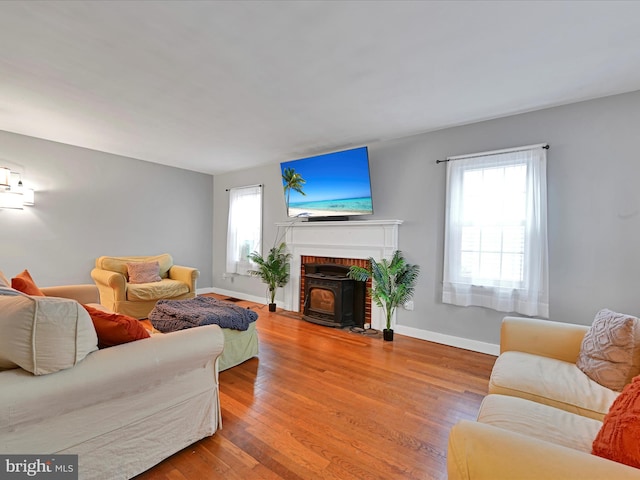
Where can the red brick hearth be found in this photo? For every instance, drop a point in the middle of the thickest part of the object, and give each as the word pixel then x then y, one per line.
pixel 304 259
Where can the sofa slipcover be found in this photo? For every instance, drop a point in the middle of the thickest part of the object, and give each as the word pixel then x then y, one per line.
pixel 121 409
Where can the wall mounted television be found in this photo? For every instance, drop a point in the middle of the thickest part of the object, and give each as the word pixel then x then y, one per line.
pixel 328 187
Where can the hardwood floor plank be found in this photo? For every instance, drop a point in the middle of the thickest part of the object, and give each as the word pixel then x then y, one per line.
pixel 324 403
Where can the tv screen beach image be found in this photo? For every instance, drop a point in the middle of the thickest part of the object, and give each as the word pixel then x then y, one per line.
pixel 335 184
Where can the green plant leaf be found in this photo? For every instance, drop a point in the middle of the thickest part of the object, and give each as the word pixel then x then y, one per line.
pixel 393 282
pixel 273 270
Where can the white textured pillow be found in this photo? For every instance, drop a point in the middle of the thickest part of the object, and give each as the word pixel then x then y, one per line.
pixel 610 351
pixel 44 334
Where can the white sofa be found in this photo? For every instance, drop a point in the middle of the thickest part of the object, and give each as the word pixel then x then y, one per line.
pixel 121 409
pixel 541 415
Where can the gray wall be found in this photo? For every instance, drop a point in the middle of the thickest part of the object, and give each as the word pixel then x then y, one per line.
pixel 90 203
pixel 594 210
pixel 273 211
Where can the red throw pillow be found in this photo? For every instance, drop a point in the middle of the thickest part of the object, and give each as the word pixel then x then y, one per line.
pixel 618 437
pixel 115 329
pixel 25 284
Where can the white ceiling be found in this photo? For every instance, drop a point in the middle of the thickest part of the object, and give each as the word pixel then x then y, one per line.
pixel 221 86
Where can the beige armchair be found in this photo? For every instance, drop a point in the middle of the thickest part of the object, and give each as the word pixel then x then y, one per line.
pixel 111 275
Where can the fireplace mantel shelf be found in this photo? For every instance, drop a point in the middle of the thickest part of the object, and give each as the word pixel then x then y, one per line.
pixel 347 223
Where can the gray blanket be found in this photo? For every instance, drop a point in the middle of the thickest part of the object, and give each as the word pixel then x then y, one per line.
pixel 172 315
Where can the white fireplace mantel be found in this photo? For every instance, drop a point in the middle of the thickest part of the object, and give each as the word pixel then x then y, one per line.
pixel 342 239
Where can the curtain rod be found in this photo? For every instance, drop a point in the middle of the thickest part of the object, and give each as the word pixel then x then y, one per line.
pixel 246 186
pixel 495 152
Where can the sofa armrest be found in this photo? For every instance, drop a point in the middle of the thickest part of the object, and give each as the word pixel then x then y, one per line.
pixel 112 287
pixel 558 340
pixel 186 275
pixel 480 451
pixel 113 280
pixel 86 293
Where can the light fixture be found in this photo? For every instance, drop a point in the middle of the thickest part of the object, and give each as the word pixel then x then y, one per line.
pixel 13 193
pixel 5 177
pixel 28 195
pixel 11 199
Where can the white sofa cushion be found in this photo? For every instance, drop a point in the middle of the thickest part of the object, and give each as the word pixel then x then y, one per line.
pixel 44 334
pixel 551 382
pixel 540 421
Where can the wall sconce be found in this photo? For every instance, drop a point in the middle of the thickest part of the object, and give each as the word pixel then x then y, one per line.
pixel 9 199
pixel 28 195
pixel 13 194
pixel 5 177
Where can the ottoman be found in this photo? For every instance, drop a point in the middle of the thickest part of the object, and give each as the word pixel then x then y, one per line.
pixel 239 345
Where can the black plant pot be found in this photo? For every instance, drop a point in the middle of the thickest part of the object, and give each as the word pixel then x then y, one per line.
pixel 387 334
pixel 272 307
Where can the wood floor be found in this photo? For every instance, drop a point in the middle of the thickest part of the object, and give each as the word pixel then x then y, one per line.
pixel 324 403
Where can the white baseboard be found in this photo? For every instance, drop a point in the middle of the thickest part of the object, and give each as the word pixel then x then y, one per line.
pixel 200 291
pixel 459 342
pixel 241 296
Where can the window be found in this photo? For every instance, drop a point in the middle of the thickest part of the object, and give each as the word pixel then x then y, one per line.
pixel 244 233
pixel 496 231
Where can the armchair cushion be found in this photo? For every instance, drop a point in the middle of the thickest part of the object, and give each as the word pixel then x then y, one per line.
pixel 480 451
pixel 539 421
pixel 527 376
pixel 153 291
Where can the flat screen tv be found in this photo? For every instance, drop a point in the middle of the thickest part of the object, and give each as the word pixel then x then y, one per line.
pixel 331 186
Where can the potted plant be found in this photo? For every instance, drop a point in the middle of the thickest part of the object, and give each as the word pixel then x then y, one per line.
pixel 393 284
pixel 273 270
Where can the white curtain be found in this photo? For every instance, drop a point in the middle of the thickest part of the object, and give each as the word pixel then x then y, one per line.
pixel 496 253
pixel 244 232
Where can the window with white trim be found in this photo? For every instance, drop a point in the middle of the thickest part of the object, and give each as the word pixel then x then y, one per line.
pixel 496 231
pixel 244 232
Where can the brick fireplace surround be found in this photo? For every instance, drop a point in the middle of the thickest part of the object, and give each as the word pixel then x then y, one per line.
pixel 347 262
pixel 341 242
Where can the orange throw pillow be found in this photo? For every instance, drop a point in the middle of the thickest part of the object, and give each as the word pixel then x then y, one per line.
pixel 115 329
pixel 25 284
pixel 618 437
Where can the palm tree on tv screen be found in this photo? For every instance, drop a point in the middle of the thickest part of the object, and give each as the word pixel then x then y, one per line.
pixel 292 181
